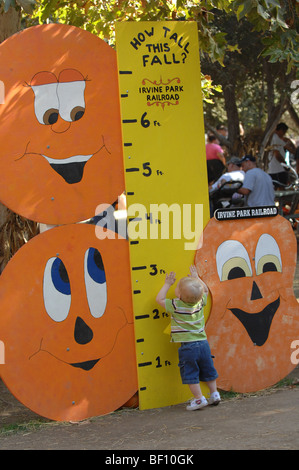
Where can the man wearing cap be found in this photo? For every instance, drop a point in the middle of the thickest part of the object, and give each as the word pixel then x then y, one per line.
pixel 233 174
pixel 257 186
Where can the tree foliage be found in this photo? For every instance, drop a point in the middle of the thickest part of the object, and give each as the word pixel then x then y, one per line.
pixel 248 47
pixel 277 20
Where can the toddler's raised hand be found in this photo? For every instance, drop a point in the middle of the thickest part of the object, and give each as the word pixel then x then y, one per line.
pixel 170 278
pixel 193 272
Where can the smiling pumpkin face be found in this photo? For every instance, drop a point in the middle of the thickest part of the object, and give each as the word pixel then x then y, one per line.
pixel 67 324
pixel 249 266
pixel 60 128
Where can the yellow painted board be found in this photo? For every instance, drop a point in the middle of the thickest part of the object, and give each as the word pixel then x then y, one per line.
pixel 166 184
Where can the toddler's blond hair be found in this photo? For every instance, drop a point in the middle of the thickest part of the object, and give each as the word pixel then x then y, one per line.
pixel 191 290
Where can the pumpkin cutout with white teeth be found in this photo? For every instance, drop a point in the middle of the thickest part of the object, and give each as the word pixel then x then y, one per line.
pixel 60 126
pixel 249 267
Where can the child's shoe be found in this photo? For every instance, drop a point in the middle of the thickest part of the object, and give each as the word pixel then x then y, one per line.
pixel 214 399
pixel 197 403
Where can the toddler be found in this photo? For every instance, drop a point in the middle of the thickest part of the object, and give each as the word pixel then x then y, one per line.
pixel 188 328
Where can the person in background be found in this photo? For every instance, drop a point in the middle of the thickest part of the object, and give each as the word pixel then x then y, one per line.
pixel 257 186
pixel 279 144
pixel 221 129
pixel 215 158
pixel 233 174
pixel 231 179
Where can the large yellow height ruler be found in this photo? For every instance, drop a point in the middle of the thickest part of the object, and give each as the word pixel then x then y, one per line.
pixel 166 184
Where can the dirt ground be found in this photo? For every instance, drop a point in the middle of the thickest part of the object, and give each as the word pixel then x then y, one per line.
pixel 266 420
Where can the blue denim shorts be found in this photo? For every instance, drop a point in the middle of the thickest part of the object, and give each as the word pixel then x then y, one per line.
pixel 196 363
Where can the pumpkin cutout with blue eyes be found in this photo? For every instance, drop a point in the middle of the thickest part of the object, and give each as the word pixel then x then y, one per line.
pixel 249 267
pixel 67 324
pixel 60 126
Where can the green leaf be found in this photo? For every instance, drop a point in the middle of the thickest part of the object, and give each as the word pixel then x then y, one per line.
pixel 262 12
pixel 243 9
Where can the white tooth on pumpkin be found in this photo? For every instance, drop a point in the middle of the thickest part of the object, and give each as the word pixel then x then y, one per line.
pixel 64 161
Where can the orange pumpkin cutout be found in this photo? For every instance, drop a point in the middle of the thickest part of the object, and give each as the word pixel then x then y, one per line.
pixel 249 267
pixel 60 127
pixel 66 323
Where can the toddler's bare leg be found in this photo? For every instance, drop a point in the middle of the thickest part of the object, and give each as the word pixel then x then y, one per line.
pixel 196 390
pixel 212 386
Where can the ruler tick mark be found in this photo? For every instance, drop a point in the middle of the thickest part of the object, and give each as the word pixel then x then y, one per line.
pixel 131 170
pixel 141 317
pixel 144 364
pixel 136 268
pixel 129 121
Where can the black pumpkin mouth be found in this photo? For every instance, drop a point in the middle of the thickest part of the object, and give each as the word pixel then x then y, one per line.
pixel 70 172
pixel 87 365
pixel 258 324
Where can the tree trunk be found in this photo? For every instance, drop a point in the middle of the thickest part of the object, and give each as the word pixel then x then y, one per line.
pixel 232 118
pixel 270 128
pixel 270 77
pixel 293 113
pixel 10 22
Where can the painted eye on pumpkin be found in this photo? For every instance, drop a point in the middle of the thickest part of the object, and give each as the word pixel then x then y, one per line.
pixel 232 261
pixel 56 290
pixel 64 97
pixel 46 103
pixel 95 282
pixel 267 255
pixel 71 100
pixel 44 87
